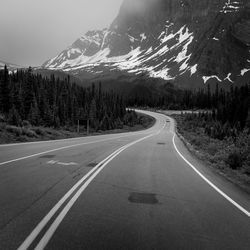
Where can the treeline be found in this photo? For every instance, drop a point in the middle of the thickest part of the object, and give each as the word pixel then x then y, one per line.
pixel 222 132
pixel 51 102
pixel 170 97
pixel 228 110
pixel 229 113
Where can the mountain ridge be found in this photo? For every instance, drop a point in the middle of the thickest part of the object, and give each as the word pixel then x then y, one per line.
pixel 177 40
pixel 11 66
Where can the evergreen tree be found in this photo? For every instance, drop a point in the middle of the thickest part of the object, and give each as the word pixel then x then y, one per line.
pixel 92 113
pixel 28 93
pixel 5 92
pixel 34 114
pixel 14 117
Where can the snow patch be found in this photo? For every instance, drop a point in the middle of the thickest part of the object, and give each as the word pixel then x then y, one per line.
pixel 206 78
pixel 162 33
pixel 231 6
pixel 193 69
pixel 132 39
pixel 143 37
pixel 106 33
pixel 228 77
pixel 244 71
pixel 148 51
pixel 184 35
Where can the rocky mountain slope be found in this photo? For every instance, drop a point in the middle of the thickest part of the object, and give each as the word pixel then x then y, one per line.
pixel 187 42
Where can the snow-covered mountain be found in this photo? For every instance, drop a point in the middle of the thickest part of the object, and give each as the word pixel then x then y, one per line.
pixel 10 66
pixel 183 41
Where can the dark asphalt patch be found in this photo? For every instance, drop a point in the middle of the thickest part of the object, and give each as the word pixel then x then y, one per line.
pixel 161 143
pixel 47 156
pixel 143 198
pixel 92 164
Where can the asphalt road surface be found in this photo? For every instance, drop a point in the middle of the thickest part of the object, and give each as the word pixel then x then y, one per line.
pixel 138 190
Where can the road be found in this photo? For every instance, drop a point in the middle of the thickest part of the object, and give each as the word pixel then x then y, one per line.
pixel 138 190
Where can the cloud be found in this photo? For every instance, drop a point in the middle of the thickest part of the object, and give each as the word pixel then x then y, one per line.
pixel 33 31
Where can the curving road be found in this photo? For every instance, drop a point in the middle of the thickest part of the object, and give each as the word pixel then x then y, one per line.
pixel 138 190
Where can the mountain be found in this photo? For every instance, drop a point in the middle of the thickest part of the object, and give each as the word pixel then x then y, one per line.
pixel 187 42
pixel 10 66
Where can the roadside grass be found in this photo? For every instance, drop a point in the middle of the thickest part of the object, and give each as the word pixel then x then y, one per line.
pixel 28 133
pixel 229 157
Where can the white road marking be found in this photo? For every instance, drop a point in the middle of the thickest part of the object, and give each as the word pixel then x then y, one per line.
pixel 70 139
pixel 94 172
pixel 53 162
pixel 61 148
pixel 47 236
pixel 46 219
pixel 209 182
pixel 91 175
pixel 78 138
pixel 39 142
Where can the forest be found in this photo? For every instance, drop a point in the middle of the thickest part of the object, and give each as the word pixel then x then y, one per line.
pixel 218 127
pixel 51 102
pixel 228 112
pixel 220 135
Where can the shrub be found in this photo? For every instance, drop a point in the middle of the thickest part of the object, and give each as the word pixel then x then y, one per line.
pixel 2 118
pixel 247 169
pixel 235 159
pixel 130 118
pixel 28 132
pixel 195 141
pixel 14 130
pixel 14 117
pixel 26 124
pixel 39 131
pixel 212 148
pixel 118 123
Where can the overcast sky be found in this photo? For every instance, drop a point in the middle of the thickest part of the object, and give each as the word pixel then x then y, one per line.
pixel 32 31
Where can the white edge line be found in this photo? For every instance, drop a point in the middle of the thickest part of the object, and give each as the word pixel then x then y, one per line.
pixel 70 139
pixel 58 149
pixel 128 133
pixel 209 182
pixel 47 236
pixel 75 145
pixel 47 141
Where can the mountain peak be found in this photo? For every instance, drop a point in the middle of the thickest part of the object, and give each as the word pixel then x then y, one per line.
pixel 179 40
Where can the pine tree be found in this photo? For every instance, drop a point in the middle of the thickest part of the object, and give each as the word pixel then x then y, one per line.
pixel 34 114
pixel 14 117
pixel 28 93
pixel 92 113
pixel 53 102
pixel 5 92
pixel 248 122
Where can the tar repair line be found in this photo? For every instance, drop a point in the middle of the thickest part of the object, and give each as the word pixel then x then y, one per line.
pixel 210 183
pixel 43 242
pixel 66 147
